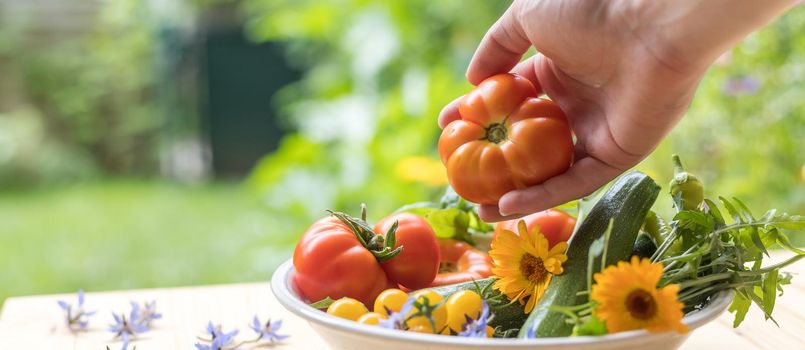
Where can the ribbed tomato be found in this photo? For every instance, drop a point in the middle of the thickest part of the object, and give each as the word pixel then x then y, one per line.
pixel 506 139
pixel 555 225
pixel 418 262
pixel 330 261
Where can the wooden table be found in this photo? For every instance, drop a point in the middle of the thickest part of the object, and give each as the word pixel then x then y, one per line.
pixel 35 322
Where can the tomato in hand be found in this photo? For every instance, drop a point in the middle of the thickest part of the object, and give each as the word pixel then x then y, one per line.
pixel 332 261
pixel 555 225
pixel 506 139
pixel 416 266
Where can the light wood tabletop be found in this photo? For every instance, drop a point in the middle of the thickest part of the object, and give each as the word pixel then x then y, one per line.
pixel 36 322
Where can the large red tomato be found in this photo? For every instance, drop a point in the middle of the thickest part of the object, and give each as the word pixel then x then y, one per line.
pixel 416 266
pixel 506 139
pixel 555 225
pixel 330 261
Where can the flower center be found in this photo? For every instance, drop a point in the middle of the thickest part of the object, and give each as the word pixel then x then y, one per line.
pixel 532 268
pixel 641 304
pixel 496 133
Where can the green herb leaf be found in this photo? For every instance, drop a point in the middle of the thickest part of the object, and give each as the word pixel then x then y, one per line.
pixel 592 326
pixel 740 306
pixel 323 304
pixel 769 292
pixel 736 216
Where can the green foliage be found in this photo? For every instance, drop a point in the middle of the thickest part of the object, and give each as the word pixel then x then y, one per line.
pixel 377 74
pixel 92 94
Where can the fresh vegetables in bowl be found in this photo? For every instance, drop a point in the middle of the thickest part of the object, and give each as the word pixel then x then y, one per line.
pixel 611 266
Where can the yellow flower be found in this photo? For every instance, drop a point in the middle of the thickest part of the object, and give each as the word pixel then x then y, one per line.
pixel 421 169
pixel 628 298
pixel 524 264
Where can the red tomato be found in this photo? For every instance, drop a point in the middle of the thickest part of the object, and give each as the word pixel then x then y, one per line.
pixel 555 225
pixel 330 261
pixel 506 139
pixel 461 262
pixel 417 264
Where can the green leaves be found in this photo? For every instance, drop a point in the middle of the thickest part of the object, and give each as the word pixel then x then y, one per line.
pixel 769 292
pixel 452 217
pixel 740 306
pixel 592 326
pixel 323 304
pixel 716 255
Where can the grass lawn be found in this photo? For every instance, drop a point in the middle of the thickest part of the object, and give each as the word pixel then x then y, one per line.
pixel 130 234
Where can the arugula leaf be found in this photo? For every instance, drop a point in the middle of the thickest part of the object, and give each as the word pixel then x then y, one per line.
pixel 769 292
pixel 740 306
pixel 592 326
pixel 323 304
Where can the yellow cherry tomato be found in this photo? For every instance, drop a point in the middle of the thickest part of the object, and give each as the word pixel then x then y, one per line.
pixel 372 318
pixel 490 331
pixel 420 328
pixel 459 306
pixel 347 308
pixel 439 314
pixel 393 299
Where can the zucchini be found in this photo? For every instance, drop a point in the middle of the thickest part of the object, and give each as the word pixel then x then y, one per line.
pixel 509 317
pixel 626 202
pixel 644 246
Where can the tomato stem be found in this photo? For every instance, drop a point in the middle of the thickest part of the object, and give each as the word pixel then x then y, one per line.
pixel 496 133
pixel 382 247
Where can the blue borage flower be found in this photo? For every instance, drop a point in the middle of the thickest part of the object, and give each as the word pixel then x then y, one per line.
pixel 477 328
pixel 126 329
pixel 396 320
pixel 219 340
pixel 147 313
pixel 77 319
pixel 268 331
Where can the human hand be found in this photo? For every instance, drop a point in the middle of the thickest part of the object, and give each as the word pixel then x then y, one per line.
pixel 624 72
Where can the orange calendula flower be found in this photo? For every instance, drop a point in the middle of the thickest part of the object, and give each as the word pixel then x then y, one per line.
pixel 524 264
pixel 628 298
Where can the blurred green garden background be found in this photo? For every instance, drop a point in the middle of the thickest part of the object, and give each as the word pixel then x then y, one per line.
pixel 180 142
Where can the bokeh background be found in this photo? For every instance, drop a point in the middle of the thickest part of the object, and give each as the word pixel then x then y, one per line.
pixel 178 142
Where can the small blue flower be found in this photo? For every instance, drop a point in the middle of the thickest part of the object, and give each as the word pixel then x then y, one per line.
pixel 219 338
pixel 532 332
pixel 268 331
pixel 146 313
pixel 477 328
pixel 125 329
pixel 77 318
pixel 396 320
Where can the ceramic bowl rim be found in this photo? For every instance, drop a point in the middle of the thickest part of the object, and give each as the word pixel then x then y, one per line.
pixel 282 288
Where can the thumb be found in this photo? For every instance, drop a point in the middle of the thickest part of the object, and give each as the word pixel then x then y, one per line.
pixel 500 49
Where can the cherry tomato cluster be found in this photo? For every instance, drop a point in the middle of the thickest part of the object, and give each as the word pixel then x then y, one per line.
pixel 432 314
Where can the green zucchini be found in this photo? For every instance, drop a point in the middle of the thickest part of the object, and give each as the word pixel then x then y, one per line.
pixel 626 202
pixel 509 317
pixel 644 246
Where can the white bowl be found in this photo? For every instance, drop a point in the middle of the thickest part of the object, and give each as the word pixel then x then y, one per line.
pixel 344 334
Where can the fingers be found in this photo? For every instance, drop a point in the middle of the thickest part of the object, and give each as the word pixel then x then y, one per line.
pixel 449 113
pixel 584 177
pixel 528 69
pixel 500 49
pixel 491 213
